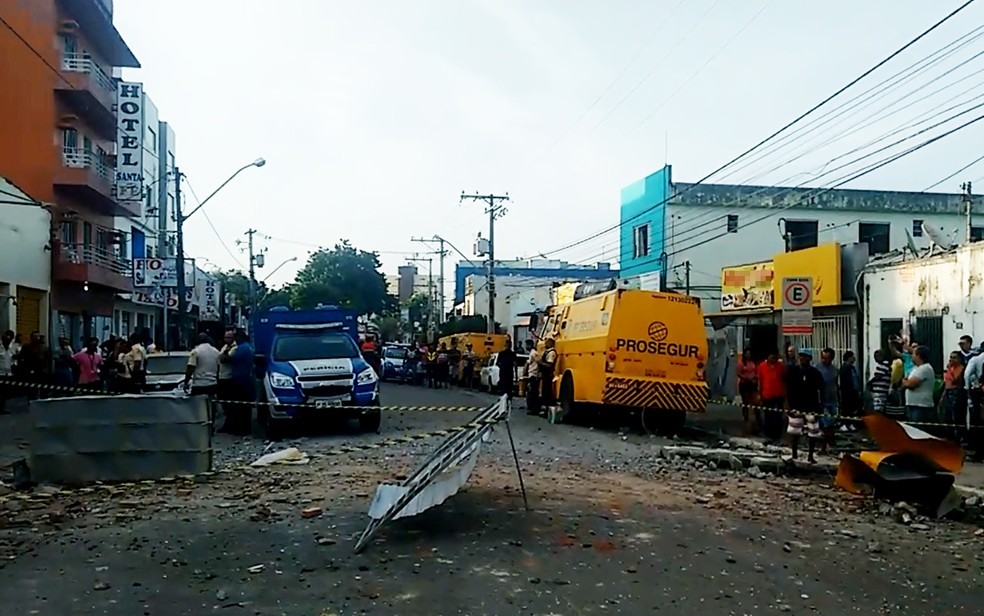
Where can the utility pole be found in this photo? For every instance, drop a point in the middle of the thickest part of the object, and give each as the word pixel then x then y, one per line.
pixel 968 200
pixel 179 262
pixel 440 278
pixel 252 281
pixel 686 275
pixel 495 210
pixel 431 326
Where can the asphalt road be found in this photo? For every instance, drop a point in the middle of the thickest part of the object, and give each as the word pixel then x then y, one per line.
pixel 613 529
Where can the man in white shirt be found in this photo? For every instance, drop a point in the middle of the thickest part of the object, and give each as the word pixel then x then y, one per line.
pixel 203 368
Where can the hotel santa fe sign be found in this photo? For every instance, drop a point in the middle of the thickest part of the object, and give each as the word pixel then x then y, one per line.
pixel 129 144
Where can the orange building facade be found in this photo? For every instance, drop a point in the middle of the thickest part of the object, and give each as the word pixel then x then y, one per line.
pixel 58 128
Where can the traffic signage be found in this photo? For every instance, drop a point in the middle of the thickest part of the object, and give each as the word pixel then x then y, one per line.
pixel 797 306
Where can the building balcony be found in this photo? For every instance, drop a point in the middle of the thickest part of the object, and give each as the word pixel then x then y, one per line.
pixel 89 91
pixel 88 178
pixel 88 264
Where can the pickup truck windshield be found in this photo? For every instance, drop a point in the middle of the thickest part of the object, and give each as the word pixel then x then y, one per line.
pixel 314 346
pixel 396 353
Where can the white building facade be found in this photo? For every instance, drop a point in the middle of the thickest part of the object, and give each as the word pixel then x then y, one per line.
pixel 25 262
pixel 933 300
pixel 690 232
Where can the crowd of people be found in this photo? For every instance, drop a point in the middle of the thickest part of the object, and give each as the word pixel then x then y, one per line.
pixel 33 369
pixel 799 396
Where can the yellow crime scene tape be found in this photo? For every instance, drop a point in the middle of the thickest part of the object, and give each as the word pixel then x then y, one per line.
pixel 192 480
pixel 82 391
pixel 839 417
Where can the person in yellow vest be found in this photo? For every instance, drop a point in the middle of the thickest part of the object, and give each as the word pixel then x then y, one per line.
pixel 431 366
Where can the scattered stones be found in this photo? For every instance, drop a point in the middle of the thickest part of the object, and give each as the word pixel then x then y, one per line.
pixel 101 586
pixel 221 595
pixel 256 569
pixel 311 512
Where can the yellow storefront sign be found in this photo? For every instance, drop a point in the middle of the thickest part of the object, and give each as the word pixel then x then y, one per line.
pixel 822 263
pixel 747 286
pixel 759 285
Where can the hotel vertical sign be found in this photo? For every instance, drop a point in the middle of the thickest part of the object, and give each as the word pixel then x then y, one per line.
pixel 129 144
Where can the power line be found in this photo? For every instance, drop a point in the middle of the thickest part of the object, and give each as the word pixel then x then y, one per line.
pixel 775 134
pixel 955 173
pixel 870 169
pixel 653 37
pixel 714 56
pixel 36 52
pixel 218 236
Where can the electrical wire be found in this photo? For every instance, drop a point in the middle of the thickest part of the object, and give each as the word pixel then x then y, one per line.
pixel 955 173
pixel 707 63
pixel 218 236
pixel 651 39
pixel 870 95
pixel 842 181
pixel 776 133
pixel 36 53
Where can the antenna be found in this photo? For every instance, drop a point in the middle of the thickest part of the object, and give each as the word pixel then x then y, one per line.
pixel 911 243
pixel 937 237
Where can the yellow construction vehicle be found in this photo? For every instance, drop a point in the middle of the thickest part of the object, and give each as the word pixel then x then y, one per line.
pixel 631 349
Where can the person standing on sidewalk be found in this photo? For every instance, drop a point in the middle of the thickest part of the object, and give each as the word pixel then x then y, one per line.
pixel 90 363
pixel 850 388
pixel 919 387
pixel 975 397
pixel 880 383
pixel 8 355
pixel 202 372
pixel 805 387
pixel 953 405
pixel 138 363
pixel 772 389
pixel 506 362
pixel 225 389
pixel 547 365
pixel 829 395
pixel 748 390
pixel 239 417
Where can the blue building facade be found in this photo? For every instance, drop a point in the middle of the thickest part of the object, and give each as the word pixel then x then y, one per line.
pixel 642 229
pixel 462 271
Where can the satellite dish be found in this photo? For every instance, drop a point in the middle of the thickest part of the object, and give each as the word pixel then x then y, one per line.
pixel 911 243
pixel 937 237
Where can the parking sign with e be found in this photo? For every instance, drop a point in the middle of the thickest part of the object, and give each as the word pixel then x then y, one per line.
pixel 797 306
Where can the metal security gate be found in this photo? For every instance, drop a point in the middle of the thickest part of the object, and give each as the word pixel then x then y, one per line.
pixel 834 332
pixel 28 311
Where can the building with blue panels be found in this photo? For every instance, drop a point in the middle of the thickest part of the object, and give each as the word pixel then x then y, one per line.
pixel 690 232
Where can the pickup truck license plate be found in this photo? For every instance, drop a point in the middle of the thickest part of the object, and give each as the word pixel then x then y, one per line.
pixel 323 404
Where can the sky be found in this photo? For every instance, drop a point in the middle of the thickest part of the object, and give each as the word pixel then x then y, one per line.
pixel 374 117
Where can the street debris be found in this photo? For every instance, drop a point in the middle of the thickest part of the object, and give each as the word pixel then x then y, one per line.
pixel 909 464
pixel 291 455
pixel 311 512
pixel 256 569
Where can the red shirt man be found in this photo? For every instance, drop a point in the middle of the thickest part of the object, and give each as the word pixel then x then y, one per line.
pixel 772 380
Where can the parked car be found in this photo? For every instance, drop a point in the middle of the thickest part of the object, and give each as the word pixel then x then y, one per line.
pixel 393 358
pixel 166 371
pixel 488 377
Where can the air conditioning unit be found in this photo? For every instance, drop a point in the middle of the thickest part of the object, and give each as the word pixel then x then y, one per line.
pixel 68 26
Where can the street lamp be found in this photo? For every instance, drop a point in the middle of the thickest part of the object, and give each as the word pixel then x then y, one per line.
pixel 180 219
pixel 290 260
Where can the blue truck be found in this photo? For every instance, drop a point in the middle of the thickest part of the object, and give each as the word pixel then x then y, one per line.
pixel 311 359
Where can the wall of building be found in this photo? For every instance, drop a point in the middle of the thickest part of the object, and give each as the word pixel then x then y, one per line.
pixel 755 241
pixel 166 189
pixel 644 204
pixel 25 263
pixel 945 289
pixel 542 269
pixel 29 150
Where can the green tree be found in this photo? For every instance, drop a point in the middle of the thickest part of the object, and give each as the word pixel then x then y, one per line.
pixel 236 283
pixel 390 328
pixel 275 297
pixel 341 276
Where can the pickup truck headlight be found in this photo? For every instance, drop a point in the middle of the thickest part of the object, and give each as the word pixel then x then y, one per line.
pixel 366 376
pixel 281 381
pixel 387 364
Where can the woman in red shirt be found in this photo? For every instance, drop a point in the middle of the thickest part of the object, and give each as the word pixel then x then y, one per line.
pixel 748 387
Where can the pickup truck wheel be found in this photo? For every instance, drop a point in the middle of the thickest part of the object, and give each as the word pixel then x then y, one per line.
pixel 369 422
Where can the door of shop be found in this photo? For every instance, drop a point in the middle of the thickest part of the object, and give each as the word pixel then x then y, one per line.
pixel 28 311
